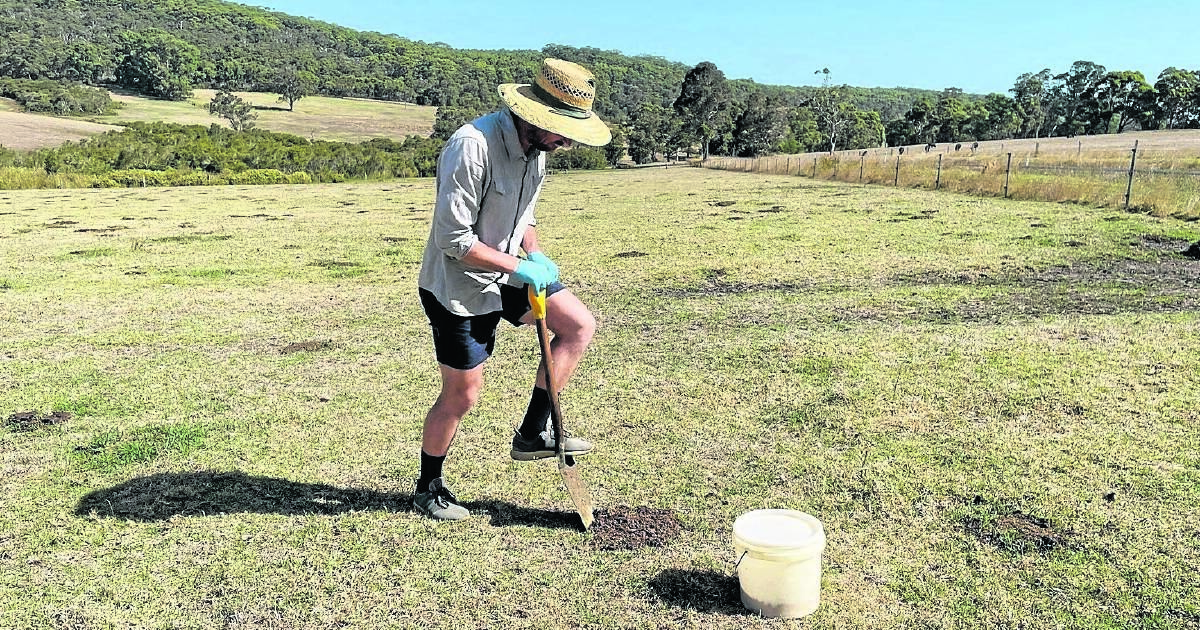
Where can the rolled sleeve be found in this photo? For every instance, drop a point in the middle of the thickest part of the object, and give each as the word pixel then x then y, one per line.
pixel 460 191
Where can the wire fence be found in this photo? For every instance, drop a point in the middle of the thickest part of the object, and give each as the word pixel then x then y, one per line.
pixel 1162 179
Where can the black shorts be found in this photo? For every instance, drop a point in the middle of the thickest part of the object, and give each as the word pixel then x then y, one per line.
pixel 463 343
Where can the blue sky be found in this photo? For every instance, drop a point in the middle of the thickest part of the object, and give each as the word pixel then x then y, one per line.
pixel 977 46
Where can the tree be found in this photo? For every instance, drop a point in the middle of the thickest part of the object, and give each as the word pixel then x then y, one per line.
pixel 294 84
pixel 238 112
pixel 1176 92
pixel 703 105
pixel 826 104
pixel 950 116
pixel 649 132
pixel 917 127
pixel 1120 102
pixel 1072 111
pixel 759 127
pixel 997 117
pixel 157 64
pixel 615 149
pixel 863 130
pixel 1031 100
pixel 449 118
pixel 802 135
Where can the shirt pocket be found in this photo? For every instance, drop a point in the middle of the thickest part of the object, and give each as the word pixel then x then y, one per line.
pixel 501 187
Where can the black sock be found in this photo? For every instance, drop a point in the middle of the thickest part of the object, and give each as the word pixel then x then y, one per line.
pixel 431 468
pixel 539 411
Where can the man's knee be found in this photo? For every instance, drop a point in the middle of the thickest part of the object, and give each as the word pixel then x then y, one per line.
pixel 460 391
pixel 586 326
pixel 572 321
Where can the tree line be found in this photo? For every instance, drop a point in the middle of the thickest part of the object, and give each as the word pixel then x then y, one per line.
pixel 165 48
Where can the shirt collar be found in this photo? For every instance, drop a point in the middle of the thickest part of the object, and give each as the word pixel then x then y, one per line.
pixel 508 131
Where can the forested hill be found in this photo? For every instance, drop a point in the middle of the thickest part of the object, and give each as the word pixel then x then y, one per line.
pixel 208 43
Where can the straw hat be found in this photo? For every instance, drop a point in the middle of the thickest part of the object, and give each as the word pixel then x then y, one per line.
pixel 559 101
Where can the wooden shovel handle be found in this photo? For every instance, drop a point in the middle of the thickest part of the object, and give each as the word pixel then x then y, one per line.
pixel 537 302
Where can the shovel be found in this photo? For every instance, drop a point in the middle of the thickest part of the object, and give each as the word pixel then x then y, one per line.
pixel 578 490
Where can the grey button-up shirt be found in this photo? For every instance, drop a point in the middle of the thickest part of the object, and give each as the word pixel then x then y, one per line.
pixel 486 191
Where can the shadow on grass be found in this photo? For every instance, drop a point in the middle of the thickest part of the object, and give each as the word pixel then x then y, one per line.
pixel 165 495
pixel 702 591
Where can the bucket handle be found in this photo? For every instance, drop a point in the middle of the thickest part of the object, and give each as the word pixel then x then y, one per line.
pixel 739 562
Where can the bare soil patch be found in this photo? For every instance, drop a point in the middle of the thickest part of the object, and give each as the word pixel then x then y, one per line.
pixel 306 346
pixel 623 527
pixel 1019 532
pixel 25 421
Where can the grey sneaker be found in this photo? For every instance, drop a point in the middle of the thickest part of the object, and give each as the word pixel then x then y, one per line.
pixel 438 502
pixel 528 449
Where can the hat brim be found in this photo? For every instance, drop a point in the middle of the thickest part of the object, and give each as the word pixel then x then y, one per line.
pixel 521 100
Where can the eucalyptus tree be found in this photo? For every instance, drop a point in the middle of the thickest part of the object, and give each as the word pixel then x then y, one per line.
pixel 1119 101
pixel 759 127
pixel 1177 98
pixel 1031 99
pixel 1072 110
pixel 703 105
pixel 828 105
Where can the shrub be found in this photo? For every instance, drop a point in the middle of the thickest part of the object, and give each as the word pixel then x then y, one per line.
pixel 578 158
pixel 57 98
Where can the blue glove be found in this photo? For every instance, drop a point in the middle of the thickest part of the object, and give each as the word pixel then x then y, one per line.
pixel 534 274
pixel 542 259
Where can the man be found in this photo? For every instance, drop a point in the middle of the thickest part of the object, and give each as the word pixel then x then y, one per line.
pixel 489 176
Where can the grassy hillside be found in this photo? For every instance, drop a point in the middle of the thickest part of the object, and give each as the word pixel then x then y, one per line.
pixel 991 405
pixel 315 117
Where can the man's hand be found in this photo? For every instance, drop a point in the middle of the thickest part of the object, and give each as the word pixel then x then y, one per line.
pixel 534 274
pixel 542 259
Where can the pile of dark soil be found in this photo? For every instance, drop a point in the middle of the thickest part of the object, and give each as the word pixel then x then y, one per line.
pixel 624 527
pixel 32 420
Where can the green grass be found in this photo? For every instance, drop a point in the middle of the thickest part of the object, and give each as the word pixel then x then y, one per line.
pixel 990 405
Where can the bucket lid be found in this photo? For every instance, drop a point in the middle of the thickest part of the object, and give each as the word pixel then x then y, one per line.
pixel 773 530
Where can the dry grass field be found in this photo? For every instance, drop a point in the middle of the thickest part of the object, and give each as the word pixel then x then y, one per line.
pixel 1086 170
pixel 32 131
pixel 315 117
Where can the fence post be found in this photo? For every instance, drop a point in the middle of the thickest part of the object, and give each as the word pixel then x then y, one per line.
pixel 1007 172
pixel 897 182
pixel 937 184
pixel 789 166
pixel 861 163
pixel 1036 146
pixel 1132 164
pixel 814 168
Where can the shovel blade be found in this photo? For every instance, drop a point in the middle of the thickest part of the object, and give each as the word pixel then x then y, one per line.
pixel 578 490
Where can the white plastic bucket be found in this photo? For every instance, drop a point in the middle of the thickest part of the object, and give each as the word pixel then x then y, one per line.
pixel 779 566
